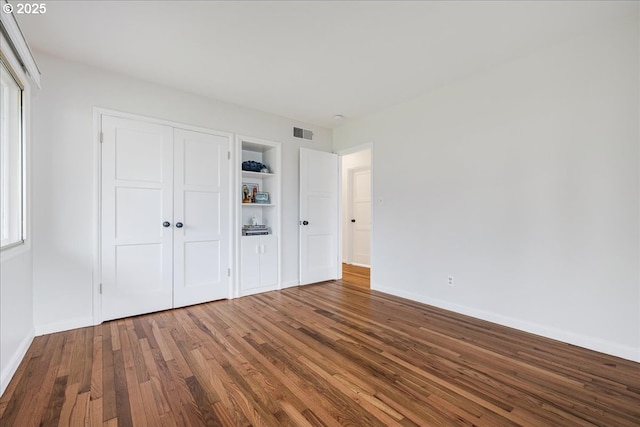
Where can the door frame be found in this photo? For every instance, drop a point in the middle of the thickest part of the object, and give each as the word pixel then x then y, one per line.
pixel 98 112
pixel 341 153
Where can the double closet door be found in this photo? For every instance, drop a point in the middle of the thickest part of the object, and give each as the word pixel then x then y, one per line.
pixel 164 217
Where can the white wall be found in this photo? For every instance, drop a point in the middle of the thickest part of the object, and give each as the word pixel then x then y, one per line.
pixel 64 169
pixel 358 159
pixel 16 313
pixel 522 183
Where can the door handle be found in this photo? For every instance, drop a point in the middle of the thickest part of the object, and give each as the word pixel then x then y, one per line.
pixel 353 220
pixel 166 224
pixel 179 225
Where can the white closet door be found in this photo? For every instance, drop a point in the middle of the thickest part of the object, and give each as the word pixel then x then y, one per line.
pixel 137 196
pixel 250 258
pixel 201 201
pixel 268 260
pixel 318 216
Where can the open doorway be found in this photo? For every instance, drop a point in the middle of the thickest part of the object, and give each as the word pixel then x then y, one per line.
pixel 356 216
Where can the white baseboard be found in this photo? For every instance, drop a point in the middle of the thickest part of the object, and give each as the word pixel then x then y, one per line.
pixel 591 343
pixel 359 265
pixel 9 371
pixel 66 325
pixel 290 284
pixel 247 292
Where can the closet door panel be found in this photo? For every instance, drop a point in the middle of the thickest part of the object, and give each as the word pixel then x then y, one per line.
pixel 203 153
pixel 202 212
pixel 269 260
pixel 198 266
pixel 250 261
pixel 137 197
pixel 201 187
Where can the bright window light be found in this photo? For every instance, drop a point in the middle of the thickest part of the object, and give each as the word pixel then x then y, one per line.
pixel 11 160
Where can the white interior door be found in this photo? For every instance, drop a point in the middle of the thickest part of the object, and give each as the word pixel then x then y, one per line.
pixel 318 216
pixel 201 201
pixel 137 198
pixel 360 221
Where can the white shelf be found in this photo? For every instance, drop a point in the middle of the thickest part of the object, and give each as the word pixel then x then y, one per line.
pixel 249 174
pixel 259 205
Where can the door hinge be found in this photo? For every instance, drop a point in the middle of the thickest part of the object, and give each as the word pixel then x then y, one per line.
pixel 100 288
pixel 228 272
pixel 101 136
pixel 228 155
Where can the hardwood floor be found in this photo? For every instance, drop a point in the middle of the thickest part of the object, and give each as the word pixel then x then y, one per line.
pixel 330 354
pixel 356 276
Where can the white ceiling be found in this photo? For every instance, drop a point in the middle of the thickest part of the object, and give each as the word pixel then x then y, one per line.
pixel 307 60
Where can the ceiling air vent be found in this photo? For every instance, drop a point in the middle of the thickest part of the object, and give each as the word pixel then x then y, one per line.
pixel 302 133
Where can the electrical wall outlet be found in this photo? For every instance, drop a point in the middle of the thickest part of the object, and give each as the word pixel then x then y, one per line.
pixel 450 280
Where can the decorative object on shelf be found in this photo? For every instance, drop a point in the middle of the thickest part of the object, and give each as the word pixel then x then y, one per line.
pixel 249 191
pixel 262 197
pixel 251 166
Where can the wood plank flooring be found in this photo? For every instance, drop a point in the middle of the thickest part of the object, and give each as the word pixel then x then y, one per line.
pixel 330 354
pixel 356 275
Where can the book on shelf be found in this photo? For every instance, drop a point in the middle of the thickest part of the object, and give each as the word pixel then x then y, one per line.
pixel 255 230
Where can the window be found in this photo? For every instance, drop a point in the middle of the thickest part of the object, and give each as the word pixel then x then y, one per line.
pixel 11 159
